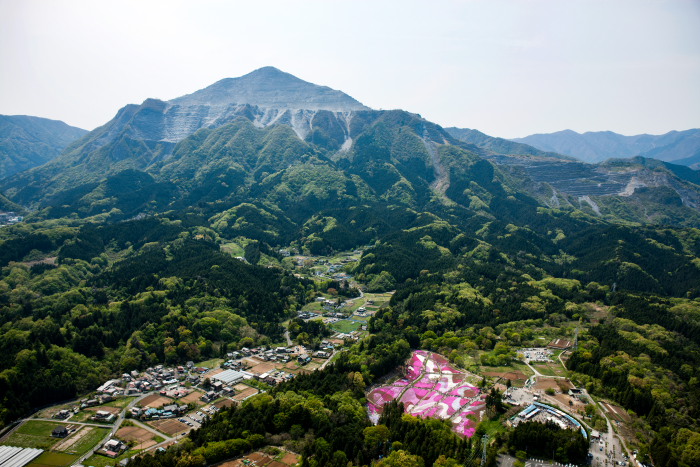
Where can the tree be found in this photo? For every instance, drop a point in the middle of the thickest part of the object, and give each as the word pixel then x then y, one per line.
pixel 401 459
pixel 494 401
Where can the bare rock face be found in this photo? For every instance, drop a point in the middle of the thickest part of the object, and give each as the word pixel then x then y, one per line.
pixel 271 88
pixel 265 96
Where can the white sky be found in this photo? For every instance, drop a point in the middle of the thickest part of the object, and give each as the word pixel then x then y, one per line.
pixel 507 68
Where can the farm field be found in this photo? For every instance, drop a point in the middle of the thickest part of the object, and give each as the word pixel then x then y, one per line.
pixel 141 437
pixel 432 387
pixel 550 369
pixel 53 459
pixel 213 363
pixel 33 434
pixel 345 326
pixel 282 459
pixel 169 426
pixel 37 434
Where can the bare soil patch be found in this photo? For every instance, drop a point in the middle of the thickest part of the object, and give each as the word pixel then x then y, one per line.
pixel 194 396
pixel 261 368
pixel 224 403
pixel 154 401
pixel 259 458
pixel 245 393
pixel 140 436
pixel 170 427
pixel 66 444
pixel 547 383
pixel 252 361
pixel 290 458
pixel 511 375
pixel 616 412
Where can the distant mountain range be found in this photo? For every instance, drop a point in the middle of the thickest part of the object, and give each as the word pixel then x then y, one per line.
pixel 271 137
pixel 679 147
pixel 27 142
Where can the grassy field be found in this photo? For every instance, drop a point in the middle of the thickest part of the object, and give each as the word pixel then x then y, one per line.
pixel 120 403
pixel 232 248
pixel 345 326
pixel 89 441
pixel 53 459
pixel 550 369
pixel 213 363
pixel 314 307
pixel 33 434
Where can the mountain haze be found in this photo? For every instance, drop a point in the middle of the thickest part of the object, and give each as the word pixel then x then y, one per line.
pixel 27 142
pixel 680 147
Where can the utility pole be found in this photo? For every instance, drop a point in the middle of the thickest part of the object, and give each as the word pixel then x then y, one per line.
pixel 484 446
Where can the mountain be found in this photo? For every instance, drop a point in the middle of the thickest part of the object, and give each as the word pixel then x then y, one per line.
pixel 269 87
pixel 680 147
pixel 142 135
pixel 27 142
pixel 251 139
pixel 498 145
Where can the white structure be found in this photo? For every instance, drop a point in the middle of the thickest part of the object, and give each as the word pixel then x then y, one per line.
pixel 11 456
pixel 229 377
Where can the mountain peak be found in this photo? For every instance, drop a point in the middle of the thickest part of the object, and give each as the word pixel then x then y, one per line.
pixel 269 87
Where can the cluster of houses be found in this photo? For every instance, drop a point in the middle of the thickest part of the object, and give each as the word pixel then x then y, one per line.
pixel 9 218
pixel 168 411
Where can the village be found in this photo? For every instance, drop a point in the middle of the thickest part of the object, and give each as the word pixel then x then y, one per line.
pixel 149 410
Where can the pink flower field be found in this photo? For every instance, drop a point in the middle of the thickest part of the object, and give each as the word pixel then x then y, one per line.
pixel 431 387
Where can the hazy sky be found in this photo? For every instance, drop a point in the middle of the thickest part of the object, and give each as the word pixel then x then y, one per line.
pixel 507 68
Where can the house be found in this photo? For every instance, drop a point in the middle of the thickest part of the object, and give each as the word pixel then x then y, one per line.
pixel 304 358
pixel 62 414
pixel 60 432
pixel 560 344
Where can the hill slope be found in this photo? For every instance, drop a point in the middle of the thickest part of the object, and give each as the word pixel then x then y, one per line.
pixel 27 142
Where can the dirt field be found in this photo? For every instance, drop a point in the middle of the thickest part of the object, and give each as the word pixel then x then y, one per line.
pixel 155 401
pixel 614 412
pixel 290 458
pixel 213 372
pixel 286 459
pixel 141 437
pixel 245 393
pixel 264 367
pixel 67 443
pixel 546 383
pixel 252 361
pixel 170 426
pixel 194 396
pixel 575 405
pixel 224 403
pixel 514 376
